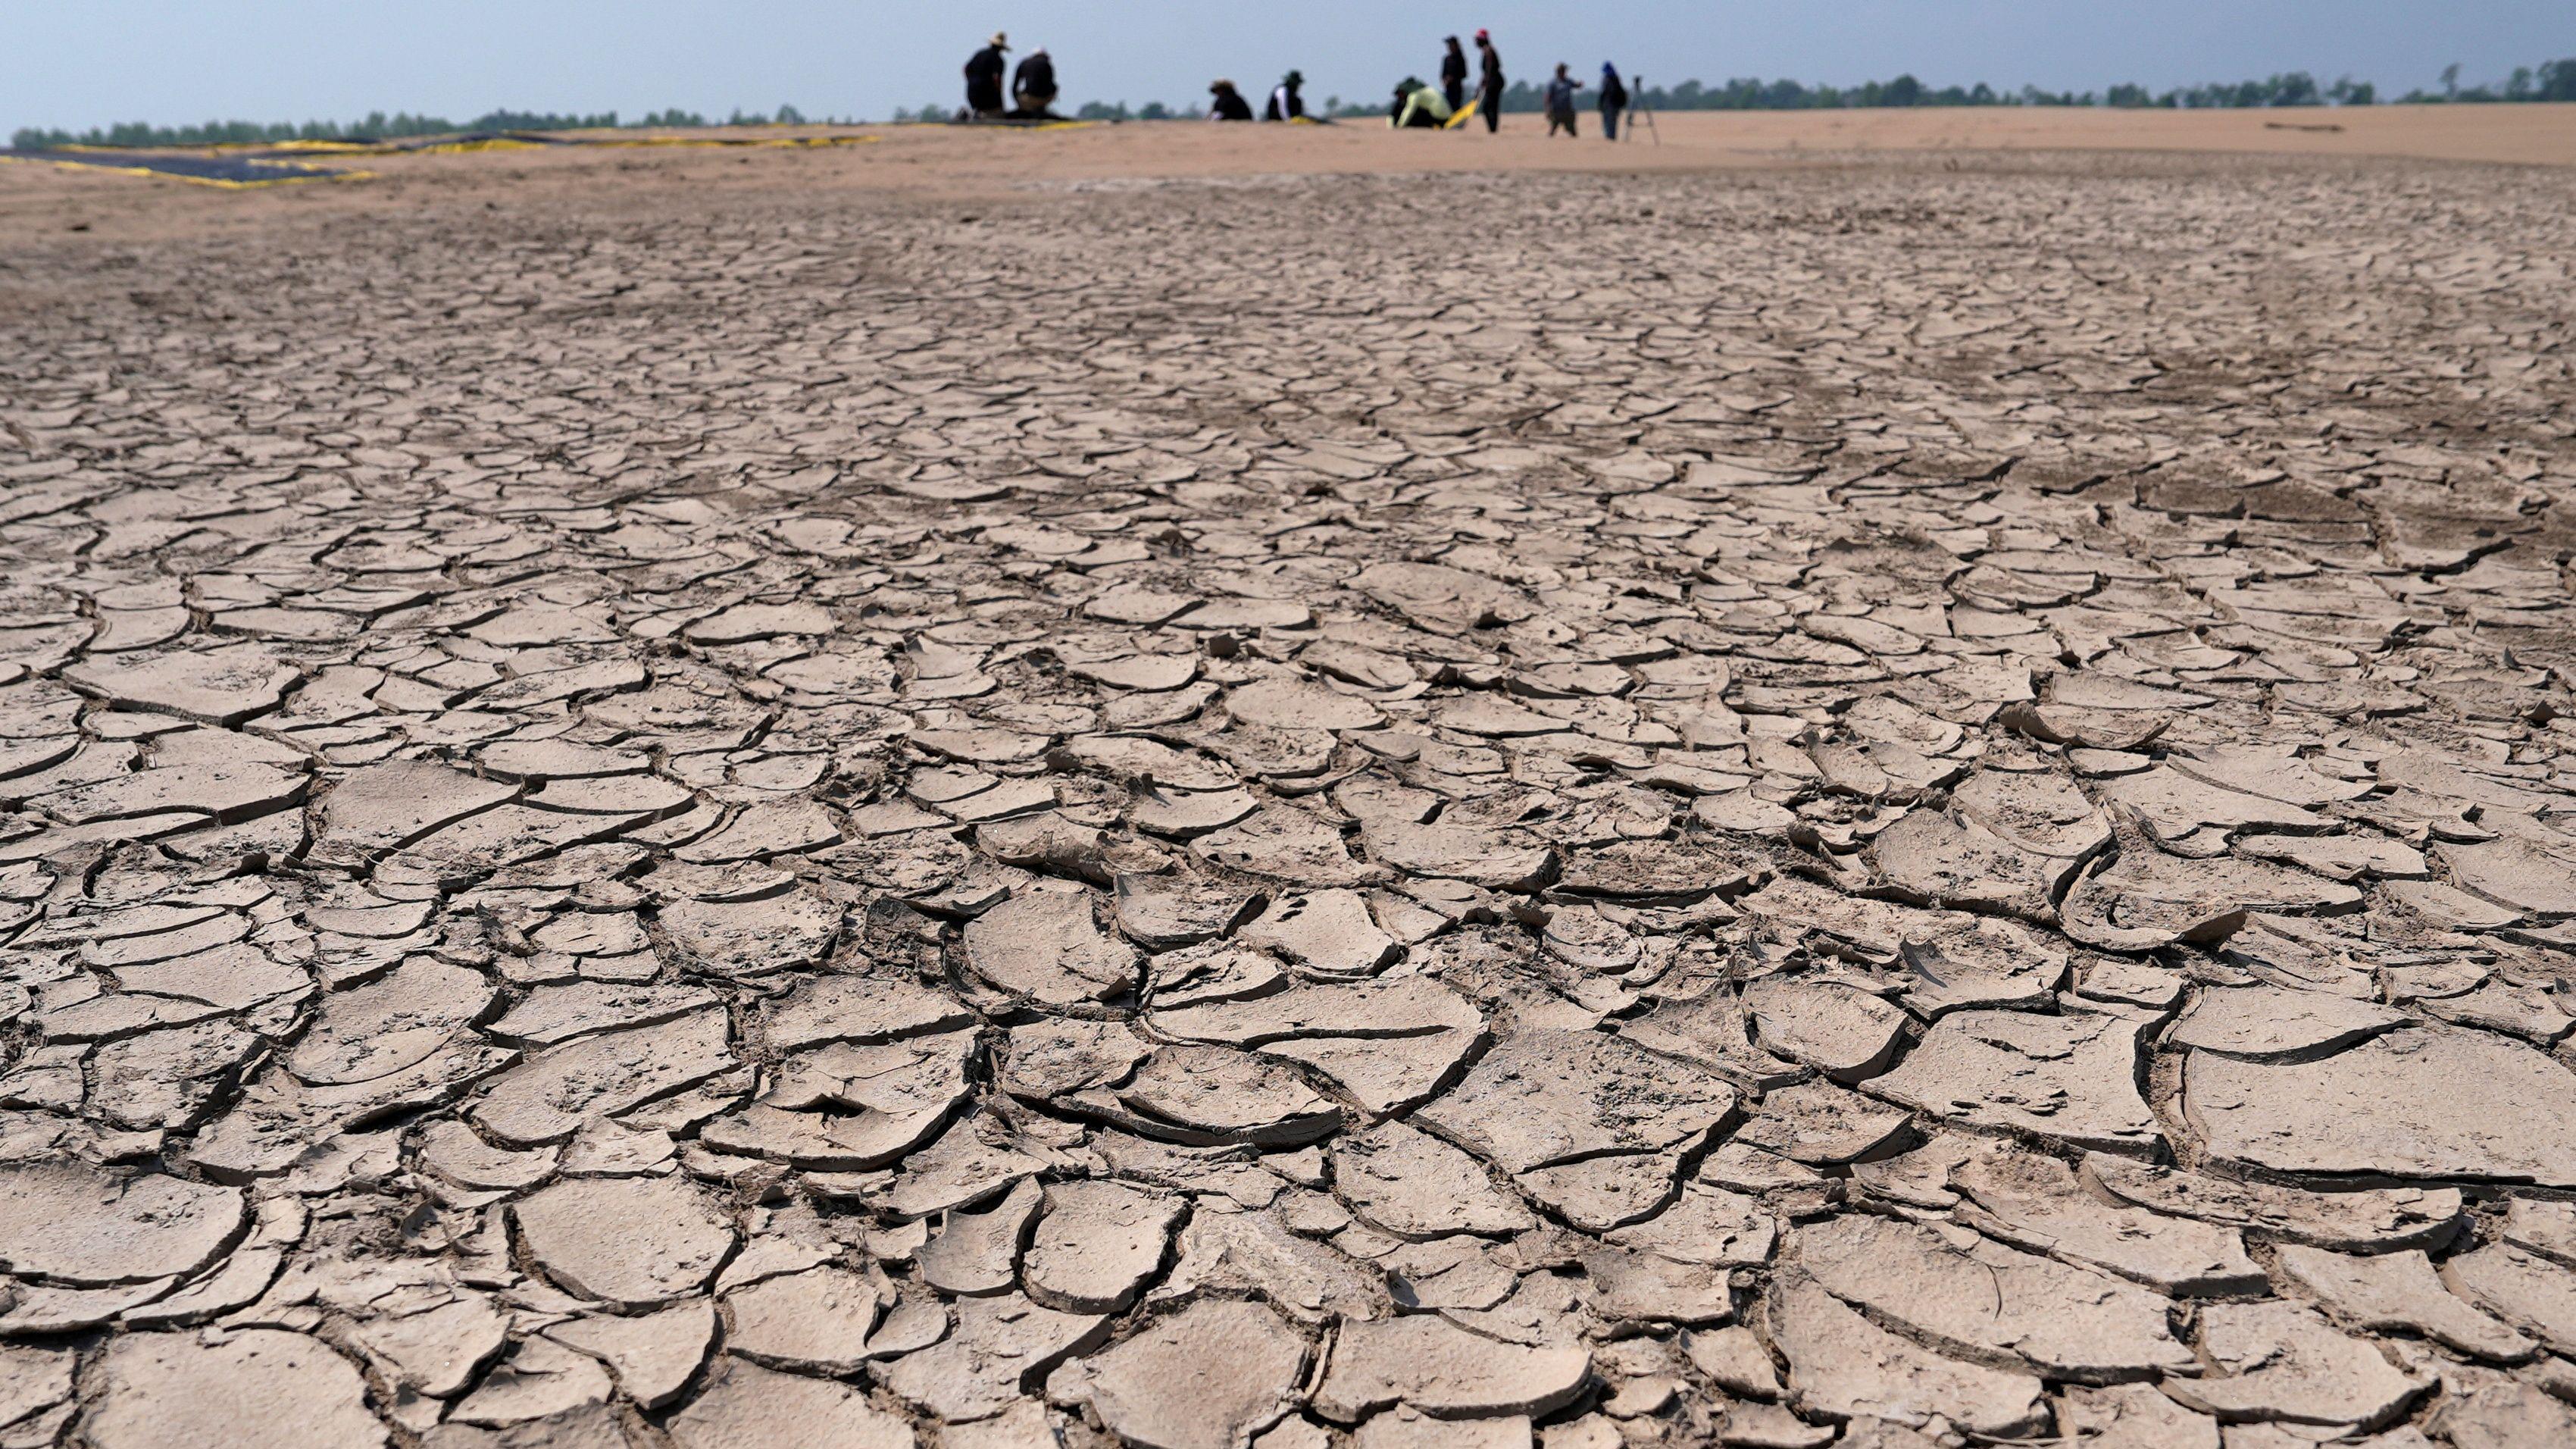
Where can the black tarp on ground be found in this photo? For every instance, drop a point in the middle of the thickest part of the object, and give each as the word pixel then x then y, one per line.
pixel 205 168
pixel 289 162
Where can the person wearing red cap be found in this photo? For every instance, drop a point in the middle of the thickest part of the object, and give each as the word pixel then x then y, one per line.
pixel 1489 85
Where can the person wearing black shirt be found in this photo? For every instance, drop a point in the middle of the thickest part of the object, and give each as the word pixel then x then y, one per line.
pixel 984 78
pixel 1489 85
pixel 1226 103
pixel 1453 74
pixel 1033 85
pixel 1614 99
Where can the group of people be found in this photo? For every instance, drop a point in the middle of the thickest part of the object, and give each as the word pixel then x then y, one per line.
pixel 1033 88
pixel 1417 104
pixel 1287 100
pixel 1560 101
pixel 1033 92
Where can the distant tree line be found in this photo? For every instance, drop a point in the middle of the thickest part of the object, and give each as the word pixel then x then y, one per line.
pixel 2295 88
pixel 2551 81
pixel 1150 111
pixel 1091 111
pixel 376 125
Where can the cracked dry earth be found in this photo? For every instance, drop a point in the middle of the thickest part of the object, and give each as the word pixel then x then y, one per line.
pixel 1878 805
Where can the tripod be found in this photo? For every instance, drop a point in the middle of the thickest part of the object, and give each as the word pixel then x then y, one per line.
pixel 1637 111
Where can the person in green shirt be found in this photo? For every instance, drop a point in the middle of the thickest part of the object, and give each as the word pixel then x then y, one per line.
pixel 1417 104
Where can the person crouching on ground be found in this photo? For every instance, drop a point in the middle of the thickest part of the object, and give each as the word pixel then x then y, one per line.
pixel 1614 99
pixel 1288 102
pixel 1560 101
pixel 1225 103
pixel 984 79
pixel 1033 87
pixel 1418 105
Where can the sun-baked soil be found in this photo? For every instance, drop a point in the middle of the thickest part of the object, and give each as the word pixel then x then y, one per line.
pixel 1192 787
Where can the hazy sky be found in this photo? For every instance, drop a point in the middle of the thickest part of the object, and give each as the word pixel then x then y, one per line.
pixel 95 61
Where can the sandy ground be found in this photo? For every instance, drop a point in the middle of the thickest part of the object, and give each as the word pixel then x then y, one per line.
pixel 952 162
pixel 1312 788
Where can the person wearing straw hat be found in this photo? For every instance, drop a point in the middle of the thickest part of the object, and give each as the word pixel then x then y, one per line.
pixel 984 79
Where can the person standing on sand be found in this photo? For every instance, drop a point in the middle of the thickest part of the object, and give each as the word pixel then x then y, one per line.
pixel 1489 85
pixel 984 79
pixel 1560 101
pixel 1453 74
pixel 1614 99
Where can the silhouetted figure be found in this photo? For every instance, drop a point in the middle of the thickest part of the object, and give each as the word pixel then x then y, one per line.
pixel 1033 86
pixel 1489 85
pixel 1453 74
pixel 1225 103
pixel 1288 102
pixel 984 79
pixel 1614 99
pixel 1560 101
pixel 1418 106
